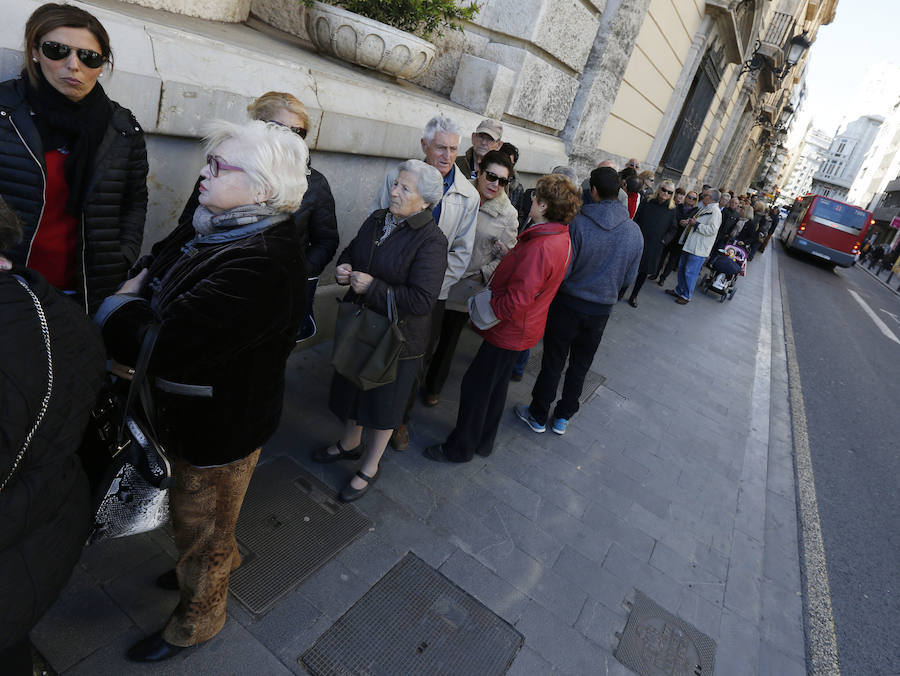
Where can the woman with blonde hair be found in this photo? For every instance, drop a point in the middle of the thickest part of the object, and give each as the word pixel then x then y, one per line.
pixel 656 219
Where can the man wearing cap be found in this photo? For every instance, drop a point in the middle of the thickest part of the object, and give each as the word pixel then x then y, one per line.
pixel 487 137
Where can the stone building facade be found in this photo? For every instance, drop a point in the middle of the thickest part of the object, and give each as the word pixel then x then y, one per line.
pixel 806 162
pixel 845 157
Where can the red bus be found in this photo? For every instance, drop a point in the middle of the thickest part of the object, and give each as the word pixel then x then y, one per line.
pixel 826 228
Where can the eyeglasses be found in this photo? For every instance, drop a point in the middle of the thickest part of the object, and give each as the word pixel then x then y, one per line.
pixel 493 178
pixel 691 197
pixel 299 131
pixel 665 192
pixel 56 51
pixel 216 165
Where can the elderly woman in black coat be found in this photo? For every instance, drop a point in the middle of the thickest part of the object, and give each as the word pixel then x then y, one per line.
pixel 402 249
pixel 656 219
pixel 44 500
pixel 73 164
pixel 227 290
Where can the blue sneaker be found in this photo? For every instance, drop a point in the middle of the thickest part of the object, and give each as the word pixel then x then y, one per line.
pixel 559 425
pixel 524 413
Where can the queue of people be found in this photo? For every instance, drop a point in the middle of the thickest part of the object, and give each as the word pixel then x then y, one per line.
pixel 230 292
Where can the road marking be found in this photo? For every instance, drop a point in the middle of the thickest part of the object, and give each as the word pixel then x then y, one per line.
pixel 891 315
pixel 821 640
pixel 874 317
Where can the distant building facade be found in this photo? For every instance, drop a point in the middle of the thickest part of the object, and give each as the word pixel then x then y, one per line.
pixel 811 153
pixel 845 157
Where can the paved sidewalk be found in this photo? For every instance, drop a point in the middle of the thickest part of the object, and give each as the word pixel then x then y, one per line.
pixel 676 478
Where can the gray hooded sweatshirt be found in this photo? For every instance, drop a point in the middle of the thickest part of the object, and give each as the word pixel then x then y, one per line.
pixel 606 251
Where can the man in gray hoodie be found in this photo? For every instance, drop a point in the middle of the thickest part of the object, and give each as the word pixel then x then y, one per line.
pixel 606 251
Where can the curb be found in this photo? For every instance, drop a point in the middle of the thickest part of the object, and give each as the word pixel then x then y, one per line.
pixel 883 283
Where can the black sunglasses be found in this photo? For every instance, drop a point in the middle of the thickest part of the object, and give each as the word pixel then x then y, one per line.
pixel 55 51
pixel 492 177
pixel 664 191
pixel 299 131
pixel 691 197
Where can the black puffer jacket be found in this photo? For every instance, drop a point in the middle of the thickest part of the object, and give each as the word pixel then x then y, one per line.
pixel 315 220
pixel 229 312
pixel 411 261
pixel 45 509
pixel 112 223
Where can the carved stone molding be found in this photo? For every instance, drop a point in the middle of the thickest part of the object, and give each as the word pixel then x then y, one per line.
pixel 364 42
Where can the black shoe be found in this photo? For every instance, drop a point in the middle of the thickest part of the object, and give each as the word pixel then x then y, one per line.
pixel 516 377
pixel 154 648
pixel 322 454
pixel 168 581
pixel 349 494
pixel 436 453
pixel 671 292
pixel 632 302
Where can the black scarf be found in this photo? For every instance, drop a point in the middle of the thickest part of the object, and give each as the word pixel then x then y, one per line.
pixel 76 126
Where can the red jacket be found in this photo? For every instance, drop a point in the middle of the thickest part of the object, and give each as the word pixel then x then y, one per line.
pixel 524 284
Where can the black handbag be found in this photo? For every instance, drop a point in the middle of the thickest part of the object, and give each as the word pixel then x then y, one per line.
pixel 367 344
pixel 127 465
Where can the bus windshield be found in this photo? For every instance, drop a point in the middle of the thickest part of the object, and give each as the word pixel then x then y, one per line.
pixel 843 214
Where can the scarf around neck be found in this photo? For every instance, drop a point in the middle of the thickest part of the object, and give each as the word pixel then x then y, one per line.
pixel 77 127
pixel 206 222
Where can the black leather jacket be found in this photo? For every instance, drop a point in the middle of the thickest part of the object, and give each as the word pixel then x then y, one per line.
pixel 112 220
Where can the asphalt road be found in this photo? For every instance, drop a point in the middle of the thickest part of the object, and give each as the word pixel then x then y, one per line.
pixel 850 375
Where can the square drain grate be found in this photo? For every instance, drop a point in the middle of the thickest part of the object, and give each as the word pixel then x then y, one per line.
pixel 290 525
pixel 415 621
pixel 657 643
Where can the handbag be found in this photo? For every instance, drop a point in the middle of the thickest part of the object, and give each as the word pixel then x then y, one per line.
pixel 308 326
pixel 480 311
pixel 45 401
pixel 367 344
pixel 128 467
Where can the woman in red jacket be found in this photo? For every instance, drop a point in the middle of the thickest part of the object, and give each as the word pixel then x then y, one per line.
pixel 522 287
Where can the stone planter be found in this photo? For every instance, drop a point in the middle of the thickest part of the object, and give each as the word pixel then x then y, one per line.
pixel 371 44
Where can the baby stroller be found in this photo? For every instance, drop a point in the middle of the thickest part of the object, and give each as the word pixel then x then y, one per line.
pixel 725 266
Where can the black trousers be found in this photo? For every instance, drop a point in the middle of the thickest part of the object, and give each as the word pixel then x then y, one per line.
pixel 482 398
pixel 638 283
pixel 434 332
pixel 15 660
pixel 571 335
pixel 451 328
pixel 671 256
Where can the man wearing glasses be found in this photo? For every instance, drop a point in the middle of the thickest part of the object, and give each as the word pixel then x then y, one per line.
pixel 696 242
pixel 488 136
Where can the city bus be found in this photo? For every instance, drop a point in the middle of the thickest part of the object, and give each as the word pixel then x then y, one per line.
pixel 826 228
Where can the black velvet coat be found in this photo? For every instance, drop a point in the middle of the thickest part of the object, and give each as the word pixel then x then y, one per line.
pixel 229 313
pixel 45 509
pixel 411 261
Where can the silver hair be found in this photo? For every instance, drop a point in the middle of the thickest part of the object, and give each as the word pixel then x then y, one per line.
pixel 273 157
pixel 441 123
pixel 568 172
pixel 714 194
pixel 429 182
pixel 725 194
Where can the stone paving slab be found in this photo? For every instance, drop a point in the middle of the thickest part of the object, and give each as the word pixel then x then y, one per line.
pixel 664 482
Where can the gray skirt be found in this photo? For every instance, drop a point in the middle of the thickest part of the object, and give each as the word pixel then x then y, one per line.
pixel 380 408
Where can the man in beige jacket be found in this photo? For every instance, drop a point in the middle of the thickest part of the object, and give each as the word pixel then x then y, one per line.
pixel 697 241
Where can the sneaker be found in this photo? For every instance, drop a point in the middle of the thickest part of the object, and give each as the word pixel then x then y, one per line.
pixel 524 413
pixel 559 425
pixel 516 377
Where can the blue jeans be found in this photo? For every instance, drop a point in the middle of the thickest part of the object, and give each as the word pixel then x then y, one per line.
pixel 688 272
pixel 521 362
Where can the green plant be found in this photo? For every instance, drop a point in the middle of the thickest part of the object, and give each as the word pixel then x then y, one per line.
pixel 425 17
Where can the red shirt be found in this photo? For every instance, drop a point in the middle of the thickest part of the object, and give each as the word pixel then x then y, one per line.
pixel 52 250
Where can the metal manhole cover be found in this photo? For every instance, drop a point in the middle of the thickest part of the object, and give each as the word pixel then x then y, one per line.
pixel 415 621
pixel 290 525
pixel 657 643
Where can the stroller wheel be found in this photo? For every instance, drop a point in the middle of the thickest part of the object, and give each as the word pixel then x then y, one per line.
pixel 723 297
pixel 731 295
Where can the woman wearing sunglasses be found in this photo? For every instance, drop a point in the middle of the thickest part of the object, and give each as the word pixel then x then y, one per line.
pixel 496 231
pixel 656 219
pixel 73 164
pixel 226 289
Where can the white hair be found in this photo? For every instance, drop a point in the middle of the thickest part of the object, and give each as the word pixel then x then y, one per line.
pixel 568 172
pixel 440 123
pixel 274 158
pixel 429 182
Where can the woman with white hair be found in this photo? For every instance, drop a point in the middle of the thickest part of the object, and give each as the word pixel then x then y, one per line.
pixel 399 249
pixel 226 291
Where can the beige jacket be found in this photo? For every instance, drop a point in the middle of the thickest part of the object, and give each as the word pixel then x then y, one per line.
pixel 702 236
pixel 497 220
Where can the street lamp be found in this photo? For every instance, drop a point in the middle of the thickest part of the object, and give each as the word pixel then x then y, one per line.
pixel 762 57
pixel 796 47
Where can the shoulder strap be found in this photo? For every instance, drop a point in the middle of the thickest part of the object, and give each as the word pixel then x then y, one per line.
pixel 137 381
pixel 45 333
